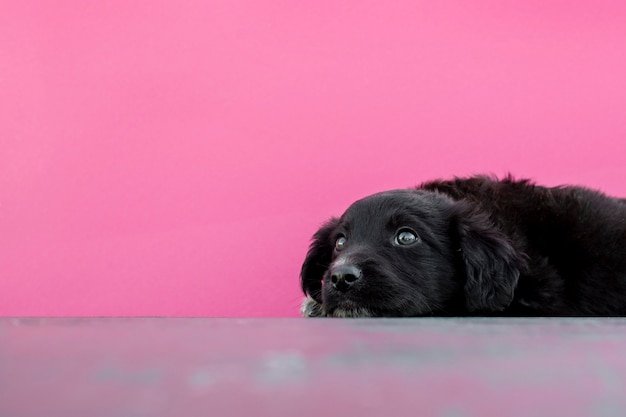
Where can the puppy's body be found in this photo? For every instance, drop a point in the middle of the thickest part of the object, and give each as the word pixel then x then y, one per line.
pixel 474 246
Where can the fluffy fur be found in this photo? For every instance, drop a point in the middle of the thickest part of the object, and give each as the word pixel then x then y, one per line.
pixel 471 246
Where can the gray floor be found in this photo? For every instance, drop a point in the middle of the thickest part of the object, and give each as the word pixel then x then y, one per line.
pixel 312 367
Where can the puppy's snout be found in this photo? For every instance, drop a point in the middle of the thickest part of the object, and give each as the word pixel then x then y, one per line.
pixel 344 277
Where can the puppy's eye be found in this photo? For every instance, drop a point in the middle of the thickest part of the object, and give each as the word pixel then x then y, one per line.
pixel 340 243
pixel 406 237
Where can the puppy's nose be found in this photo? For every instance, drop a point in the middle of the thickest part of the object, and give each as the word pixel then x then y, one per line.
pixel 344 276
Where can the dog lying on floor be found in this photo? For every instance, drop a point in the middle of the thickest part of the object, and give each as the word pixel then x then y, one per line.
pixel 471 247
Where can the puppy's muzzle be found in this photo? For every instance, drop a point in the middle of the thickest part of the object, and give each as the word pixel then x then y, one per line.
pixel 344 277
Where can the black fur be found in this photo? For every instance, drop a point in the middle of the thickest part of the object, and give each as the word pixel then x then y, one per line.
pixel 484 247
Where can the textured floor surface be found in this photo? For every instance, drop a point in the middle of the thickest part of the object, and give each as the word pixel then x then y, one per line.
pixel 322 368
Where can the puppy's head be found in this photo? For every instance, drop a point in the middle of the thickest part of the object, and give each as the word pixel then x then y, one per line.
pixel 409 253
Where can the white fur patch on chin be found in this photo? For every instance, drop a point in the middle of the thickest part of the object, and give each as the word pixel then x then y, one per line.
pixel 311 308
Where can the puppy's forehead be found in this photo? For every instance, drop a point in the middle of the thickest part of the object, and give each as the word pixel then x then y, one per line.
pixel 388 205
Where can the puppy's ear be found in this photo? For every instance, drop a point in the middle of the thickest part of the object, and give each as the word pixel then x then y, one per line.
pixel 317 260
pixel 492 265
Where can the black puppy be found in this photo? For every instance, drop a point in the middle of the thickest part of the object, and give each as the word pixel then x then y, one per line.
pixel 474 246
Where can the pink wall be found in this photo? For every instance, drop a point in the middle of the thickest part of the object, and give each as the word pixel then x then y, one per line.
pixel 174 157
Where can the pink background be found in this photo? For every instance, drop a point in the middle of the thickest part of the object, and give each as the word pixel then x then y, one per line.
pixel 173 158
